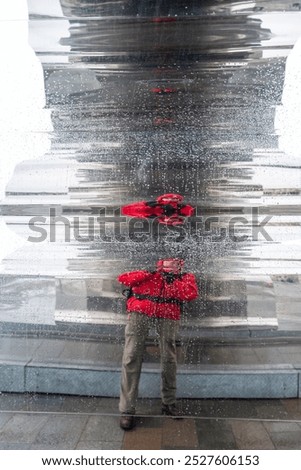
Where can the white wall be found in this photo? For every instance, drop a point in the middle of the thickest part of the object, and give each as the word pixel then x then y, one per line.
pixel 24 123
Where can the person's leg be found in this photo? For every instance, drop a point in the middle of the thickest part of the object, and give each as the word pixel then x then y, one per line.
pixel 136 332
pixel 167 330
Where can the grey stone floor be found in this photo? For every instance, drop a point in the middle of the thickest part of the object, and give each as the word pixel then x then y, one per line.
pixel 36 421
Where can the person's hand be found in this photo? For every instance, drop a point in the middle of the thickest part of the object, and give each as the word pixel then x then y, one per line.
pixel 169 277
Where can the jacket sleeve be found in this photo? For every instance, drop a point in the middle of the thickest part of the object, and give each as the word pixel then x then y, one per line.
pixel 187 210
pixel 186 288
pixel 133 278
pixel 137 209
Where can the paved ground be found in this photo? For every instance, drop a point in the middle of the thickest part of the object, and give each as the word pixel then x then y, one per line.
pixel 32 421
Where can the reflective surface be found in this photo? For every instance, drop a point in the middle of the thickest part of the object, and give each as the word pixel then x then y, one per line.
pixel 133 99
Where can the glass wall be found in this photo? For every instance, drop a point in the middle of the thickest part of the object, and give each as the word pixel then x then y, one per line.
pixel 107 103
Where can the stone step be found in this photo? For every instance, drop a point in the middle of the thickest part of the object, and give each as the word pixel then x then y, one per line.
pixel 76 367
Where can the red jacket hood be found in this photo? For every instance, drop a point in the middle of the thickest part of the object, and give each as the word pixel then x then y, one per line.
pixel 169 198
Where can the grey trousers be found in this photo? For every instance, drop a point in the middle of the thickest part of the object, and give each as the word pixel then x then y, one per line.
pixel 136 333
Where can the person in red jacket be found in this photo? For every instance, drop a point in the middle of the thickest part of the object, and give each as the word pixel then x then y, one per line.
pixel 168 209
pixel 153 299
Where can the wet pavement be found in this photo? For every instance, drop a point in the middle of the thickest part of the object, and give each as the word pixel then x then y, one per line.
pixel 64 422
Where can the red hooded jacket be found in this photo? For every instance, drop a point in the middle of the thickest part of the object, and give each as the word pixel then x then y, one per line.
pixel 168 209
pixel 153 294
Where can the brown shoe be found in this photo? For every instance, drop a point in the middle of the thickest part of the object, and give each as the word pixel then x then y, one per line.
pixel 127 422
pixel 172 410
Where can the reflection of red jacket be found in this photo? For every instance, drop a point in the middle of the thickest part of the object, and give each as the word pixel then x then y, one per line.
pixel 169 214
pixel 154 294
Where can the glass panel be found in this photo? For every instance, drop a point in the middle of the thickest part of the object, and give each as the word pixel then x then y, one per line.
pixel 108 103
